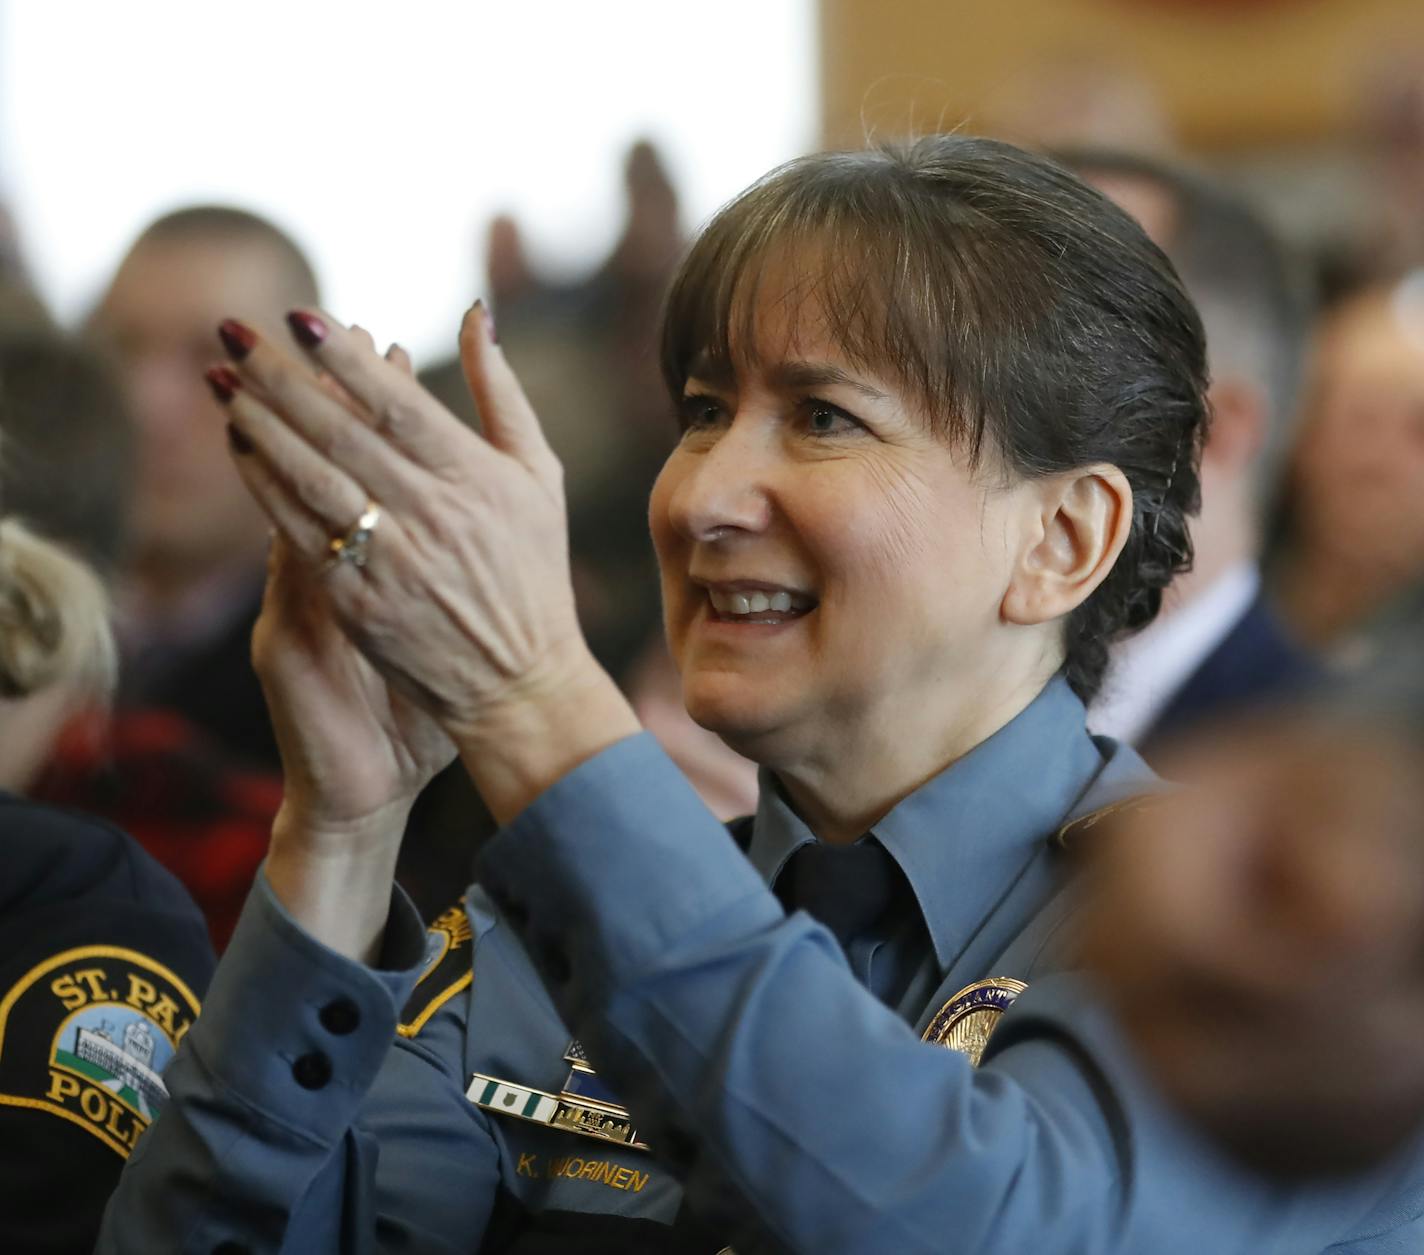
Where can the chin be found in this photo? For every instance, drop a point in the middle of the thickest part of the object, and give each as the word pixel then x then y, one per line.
pixel 744 721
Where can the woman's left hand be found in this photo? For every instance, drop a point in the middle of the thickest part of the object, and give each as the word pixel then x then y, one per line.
pixel 460 594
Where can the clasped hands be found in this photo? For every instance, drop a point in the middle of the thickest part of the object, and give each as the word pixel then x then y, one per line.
pixel 456 634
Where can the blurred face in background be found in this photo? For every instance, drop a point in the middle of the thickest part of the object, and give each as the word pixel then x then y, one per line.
pixel 1358 473
pixel 191 514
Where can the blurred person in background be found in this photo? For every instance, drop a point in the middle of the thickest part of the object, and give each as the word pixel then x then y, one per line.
pixel 1217 646
pixel 68 473
pixel 1352 526
pixel 891 573
pixel 68 464
pixel 103 956
pixel 190 586
pixel 1273 986
pixel 1081 98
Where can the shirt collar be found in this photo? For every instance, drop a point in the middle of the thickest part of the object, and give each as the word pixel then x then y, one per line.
pixel 963 836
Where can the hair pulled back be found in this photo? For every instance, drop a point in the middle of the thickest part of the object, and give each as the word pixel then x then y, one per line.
pixel 54 619
pixel 1035 320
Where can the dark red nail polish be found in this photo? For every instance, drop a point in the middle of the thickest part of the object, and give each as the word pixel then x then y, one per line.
pixel 308 329
pixel 237 337
pixel 238 442
pixel 222 381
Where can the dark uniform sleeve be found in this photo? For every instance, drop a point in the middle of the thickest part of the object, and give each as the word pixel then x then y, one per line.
pixel 300 1120
pixel 754 1062
pixel 103 960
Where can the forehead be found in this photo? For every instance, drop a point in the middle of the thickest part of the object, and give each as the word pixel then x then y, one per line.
pixel 788 318
pixel 1377 338
pixel 187 283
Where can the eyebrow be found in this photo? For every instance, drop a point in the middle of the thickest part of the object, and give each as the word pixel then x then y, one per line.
pixel 788 376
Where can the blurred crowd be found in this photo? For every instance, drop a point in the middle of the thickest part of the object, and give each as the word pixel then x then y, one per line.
pixel 1309 543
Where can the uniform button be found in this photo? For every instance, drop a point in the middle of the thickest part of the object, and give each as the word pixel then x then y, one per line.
pixel 312 1071
pixel 340 1017
pixel 232 1248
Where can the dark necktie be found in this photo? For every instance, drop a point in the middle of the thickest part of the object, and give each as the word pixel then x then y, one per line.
pixel 849 888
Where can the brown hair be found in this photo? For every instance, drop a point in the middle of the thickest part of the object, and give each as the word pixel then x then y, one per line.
pixel 1031 316
pixel 67 465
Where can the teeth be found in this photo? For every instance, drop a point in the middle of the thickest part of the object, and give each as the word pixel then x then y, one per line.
pixel 780 602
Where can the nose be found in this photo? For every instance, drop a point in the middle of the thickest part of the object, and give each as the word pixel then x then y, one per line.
pixel 167 397
pixel 725 489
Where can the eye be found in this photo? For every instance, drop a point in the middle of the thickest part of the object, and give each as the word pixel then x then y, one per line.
pixel 825 419
pixel 697 411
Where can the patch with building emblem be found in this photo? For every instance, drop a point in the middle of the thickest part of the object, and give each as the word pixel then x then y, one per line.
pixel 966 1022
pixel 446 970
pixel 85 1036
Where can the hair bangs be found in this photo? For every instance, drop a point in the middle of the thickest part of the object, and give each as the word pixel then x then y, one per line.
pixel 899 303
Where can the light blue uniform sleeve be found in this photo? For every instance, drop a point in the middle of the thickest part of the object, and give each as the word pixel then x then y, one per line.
pixel 804 1113
pixel 297 1120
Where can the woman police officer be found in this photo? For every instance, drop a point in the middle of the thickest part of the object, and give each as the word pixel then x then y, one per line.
pixel 941 412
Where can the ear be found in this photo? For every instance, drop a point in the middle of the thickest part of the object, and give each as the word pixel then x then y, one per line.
pixel 1238 426
pixel 1080 522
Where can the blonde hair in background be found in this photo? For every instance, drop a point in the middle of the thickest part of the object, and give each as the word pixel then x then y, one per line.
pixel 54 620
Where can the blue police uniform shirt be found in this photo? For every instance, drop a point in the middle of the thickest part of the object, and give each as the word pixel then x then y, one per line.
pixel 778 1073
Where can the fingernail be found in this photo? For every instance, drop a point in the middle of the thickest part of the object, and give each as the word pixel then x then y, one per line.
pixel 222 381
pixel 308 329
pixel 237 337
pixel 237 441
pixel 489 321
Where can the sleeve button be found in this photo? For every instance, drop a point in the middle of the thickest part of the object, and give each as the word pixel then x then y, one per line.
pixel 340 1017
pixel 311 1071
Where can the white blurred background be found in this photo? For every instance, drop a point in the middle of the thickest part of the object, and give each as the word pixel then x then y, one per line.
pixel 384 137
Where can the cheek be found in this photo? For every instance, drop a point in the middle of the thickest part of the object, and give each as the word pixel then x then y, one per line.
pixel 914 535
pixel 669 544
pixel 665 536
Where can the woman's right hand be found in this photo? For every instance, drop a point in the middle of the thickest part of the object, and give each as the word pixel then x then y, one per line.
pixel 355 753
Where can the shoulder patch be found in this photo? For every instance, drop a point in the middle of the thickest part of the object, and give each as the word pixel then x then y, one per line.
pixel 1066 837
pixel 447 970
pixel 85 1036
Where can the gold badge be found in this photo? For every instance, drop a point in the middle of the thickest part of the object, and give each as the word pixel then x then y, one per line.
pixel 967 1021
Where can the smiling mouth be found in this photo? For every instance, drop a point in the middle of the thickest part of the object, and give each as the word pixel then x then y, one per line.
pixel 758 605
